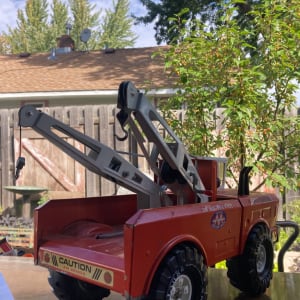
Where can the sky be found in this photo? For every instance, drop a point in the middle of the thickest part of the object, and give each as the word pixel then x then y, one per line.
pixel 8 16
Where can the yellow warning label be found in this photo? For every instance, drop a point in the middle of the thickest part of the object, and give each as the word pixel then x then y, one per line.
pixel 74 266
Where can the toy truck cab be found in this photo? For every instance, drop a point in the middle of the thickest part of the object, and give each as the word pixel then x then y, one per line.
pixel 159 242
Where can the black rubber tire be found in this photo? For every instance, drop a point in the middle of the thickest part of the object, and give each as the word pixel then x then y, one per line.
pixel 68 288
pixel 253 270
pixel 183 265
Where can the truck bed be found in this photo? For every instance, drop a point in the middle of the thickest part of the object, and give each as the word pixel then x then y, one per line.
pixel 90 229
pixel 88 267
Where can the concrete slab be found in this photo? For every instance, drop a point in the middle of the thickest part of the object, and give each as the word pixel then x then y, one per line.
pixel 25 280
pixel 29 282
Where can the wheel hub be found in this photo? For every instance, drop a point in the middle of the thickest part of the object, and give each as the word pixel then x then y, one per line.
pixel 261 259
pixel 181 288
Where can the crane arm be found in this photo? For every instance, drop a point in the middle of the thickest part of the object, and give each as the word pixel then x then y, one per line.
pixel 96 157
pixel 177 170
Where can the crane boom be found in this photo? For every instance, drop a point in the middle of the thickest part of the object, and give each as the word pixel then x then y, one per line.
pixel 97 157
pixel 177 171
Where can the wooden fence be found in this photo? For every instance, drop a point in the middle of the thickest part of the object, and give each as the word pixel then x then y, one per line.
pixel 47 166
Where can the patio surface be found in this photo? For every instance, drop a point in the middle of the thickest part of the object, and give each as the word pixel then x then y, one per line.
pixel 25 281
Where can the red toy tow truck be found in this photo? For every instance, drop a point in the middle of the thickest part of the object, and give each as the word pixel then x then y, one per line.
pixel 157 243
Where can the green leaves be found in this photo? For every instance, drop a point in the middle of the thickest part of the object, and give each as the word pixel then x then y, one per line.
pixel 84 15
pixel 254 84
pixel 31 34
pixel 116 27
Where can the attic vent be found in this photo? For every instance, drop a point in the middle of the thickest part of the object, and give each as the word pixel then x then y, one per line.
pixel 24 54
pixel 63 50
pixel 68 28
pixel 109 50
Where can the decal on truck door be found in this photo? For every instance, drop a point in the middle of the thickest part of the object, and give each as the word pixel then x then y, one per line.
pixel 218 219
pixel 74 266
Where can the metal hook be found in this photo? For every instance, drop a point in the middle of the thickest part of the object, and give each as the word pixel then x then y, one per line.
pixel 19 166
pixel 122 117
pixel 124 137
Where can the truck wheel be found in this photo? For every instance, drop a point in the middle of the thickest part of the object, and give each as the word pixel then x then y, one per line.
pixel 68 288
pixel 181 275
pixel 252 272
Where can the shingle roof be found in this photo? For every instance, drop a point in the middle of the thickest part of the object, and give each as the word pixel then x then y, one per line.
pixel 81 71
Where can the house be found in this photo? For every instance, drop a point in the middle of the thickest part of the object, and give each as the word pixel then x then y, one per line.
pixel 80 78
pixel 71 85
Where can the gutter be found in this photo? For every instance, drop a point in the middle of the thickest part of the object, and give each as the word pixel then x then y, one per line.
pixel 80 94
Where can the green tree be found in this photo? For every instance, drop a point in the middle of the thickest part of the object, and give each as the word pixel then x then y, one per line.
pixel 58 20
pixel 31 32
pixel 38 28
pixel 209 11
pixel 4 46
pixel 116 27
pixel 257 93
pixel 84 15
pixel 160 13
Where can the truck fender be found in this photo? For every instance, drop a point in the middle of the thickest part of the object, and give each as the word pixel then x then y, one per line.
pixel 180 239
pixel 244 237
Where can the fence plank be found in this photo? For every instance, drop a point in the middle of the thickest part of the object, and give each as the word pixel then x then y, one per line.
pixel 6 159
pixel 105 137
pixel 91 179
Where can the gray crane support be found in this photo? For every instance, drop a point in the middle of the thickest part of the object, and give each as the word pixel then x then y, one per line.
pixel 177 171
pixel 97 157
